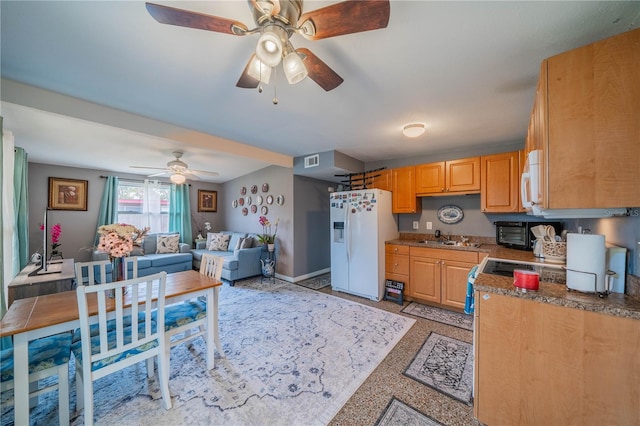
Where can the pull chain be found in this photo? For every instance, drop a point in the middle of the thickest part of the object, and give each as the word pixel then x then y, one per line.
pixel 260 81
pixel 275 87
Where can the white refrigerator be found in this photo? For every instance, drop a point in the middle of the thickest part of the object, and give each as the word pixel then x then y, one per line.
pixel 361 222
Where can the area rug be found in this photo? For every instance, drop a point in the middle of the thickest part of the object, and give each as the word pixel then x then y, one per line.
pixel 293 356
pixel 316 283
pixel 400 414
pixel 444 316
pixel 446 365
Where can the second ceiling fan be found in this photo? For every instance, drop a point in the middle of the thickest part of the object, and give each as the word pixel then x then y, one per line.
pixel 276 21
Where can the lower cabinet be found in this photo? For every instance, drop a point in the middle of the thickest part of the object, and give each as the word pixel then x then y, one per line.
pixel 440 275
pixel 397 263
pixel 542 364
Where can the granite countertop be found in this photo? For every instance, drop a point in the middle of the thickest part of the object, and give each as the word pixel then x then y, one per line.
pixel 615 304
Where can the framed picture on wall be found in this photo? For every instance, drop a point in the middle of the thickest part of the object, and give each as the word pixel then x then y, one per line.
pixel 207 201
pixel 68 194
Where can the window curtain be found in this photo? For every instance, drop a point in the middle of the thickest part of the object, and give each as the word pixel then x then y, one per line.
pixel 108 212
pixel 180 213
pixel 152 205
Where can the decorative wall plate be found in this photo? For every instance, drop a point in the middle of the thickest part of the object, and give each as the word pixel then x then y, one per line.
pixel 234 203
pixel 259 200
pixel 450 214
pixel 243 191
pixel 280 200
pixel 254 208
pixel 254 189
pixel 245 211
pixel 264 210
pixel 248 201
pixel 265 187
pixel 269 199
pixel 241 201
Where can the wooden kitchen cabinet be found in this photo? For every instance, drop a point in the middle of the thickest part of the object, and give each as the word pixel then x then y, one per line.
pixel 445 177
pixel 500 183
pixel 397 264
pixel 537 363
pixel 404 190
pixel 585 120
pixel 440 275
pixel 382 180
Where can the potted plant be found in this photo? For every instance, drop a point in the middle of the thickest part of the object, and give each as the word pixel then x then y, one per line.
pixel 267 237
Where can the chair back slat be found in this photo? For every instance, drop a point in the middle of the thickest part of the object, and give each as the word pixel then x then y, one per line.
pixel 86 272
pixel 211 266
pixel 133 260
pixel 126 294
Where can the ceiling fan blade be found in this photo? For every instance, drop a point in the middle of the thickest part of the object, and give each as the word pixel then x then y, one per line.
pixel 202 172
pixel 348 17
pixel 246 81
pixel 148 168
pixel 200 21
pixel 320 72
pixel 159 174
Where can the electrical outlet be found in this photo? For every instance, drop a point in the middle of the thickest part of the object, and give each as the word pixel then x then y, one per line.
pixel 429 225
pixel 416 224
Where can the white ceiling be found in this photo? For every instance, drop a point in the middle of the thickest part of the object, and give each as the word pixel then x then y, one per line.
pixel 466 69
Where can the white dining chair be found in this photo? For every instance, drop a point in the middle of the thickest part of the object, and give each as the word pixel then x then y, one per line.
pixel 48 357
pixel 184 318
pixel 90 273
pixel 107 352
pixel 133 270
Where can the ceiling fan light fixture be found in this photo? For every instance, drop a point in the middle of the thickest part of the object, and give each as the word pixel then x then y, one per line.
pixel 413 130
pixel 259 71
pixel 294 69
pixel 269 47
pixel 178 179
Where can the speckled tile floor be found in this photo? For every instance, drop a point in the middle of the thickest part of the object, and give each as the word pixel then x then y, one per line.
pixel 370 400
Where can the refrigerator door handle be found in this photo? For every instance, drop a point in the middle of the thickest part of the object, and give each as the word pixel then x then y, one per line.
pixel 347 231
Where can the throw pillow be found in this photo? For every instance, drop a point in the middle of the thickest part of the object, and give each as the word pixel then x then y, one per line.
pixel 239 244
pixel 247 243
pixel 219 242
pixel 168 243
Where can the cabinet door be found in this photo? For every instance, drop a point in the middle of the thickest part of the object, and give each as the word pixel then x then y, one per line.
pixel 500 183
pixel 593 125
pixel 404 190
pixel 381 180
pixel 424 277
pixel 430 178
pixel 454 282
pixel 463 175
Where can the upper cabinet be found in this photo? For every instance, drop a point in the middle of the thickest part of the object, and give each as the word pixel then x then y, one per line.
pixel 449 177
pixel 382 180
pixel 404 190
pixel 586 122
pixel 500 183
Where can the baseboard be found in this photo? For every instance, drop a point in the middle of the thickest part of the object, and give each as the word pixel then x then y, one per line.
pixel 302 277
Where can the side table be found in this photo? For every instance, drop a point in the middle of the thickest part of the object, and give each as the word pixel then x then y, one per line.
pixel 268 265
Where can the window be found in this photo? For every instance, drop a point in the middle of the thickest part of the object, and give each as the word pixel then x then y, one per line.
pixel 144 204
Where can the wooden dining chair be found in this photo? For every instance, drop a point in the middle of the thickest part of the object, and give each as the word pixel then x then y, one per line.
pixel 184 318
pixel 48 357
pixel 110 351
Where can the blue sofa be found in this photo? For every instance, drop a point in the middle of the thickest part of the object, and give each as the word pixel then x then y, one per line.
pixel 150 262
pixel 238 263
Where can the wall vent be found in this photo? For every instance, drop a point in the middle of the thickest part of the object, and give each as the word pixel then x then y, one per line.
pixel 312 161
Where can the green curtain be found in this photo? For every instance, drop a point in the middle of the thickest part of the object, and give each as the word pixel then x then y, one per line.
pixel 21 207
pixel 180 213
pixel 108 212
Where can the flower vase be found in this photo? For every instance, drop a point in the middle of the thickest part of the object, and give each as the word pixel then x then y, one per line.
pixel 117 268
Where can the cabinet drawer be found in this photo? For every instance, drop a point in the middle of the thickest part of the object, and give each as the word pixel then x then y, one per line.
pixel 445 254
pixel 397 264
pixel 396 249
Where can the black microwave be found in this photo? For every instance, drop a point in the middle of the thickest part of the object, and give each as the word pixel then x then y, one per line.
pixel 518 235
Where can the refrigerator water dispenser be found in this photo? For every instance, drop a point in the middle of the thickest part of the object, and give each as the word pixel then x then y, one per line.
pixel 338 232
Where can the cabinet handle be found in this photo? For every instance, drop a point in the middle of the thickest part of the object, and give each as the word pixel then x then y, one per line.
pixel 441 189
pixel 395 249
pixel 442 263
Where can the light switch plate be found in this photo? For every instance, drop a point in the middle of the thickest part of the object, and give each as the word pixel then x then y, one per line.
pixel 416 224
pixel 429 225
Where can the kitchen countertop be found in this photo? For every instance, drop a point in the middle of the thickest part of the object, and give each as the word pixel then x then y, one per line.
pixel 614 304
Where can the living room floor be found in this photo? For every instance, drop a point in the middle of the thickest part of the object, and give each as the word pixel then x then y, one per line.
pixel 387 380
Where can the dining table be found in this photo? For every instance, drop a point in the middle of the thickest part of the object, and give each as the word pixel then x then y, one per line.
pixel 35 317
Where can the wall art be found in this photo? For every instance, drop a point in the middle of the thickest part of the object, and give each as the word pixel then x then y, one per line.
pixel 68 194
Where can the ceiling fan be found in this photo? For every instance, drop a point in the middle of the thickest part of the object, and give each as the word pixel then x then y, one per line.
pixel 178 170
pixel 276 21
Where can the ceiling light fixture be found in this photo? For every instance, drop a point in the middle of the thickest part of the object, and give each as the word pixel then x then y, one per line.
pixel 178 179
pixel 270 45
pixel 259 71
pixel 294 69
pixel 413 130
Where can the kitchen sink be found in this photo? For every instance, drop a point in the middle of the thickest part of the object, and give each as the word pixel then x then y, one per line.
pixel 447 243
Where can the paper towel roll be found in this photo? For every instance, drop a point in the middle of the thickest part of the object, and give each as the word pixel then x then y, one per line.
pixel 586 256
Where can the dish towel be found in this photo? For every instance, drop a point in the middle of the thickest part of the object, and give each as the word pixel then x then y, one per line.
pixel 469 302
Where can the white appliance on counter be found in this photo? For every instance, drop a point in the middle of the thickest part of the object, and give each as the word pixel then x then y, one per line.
pixel 531 195
pixel 361 222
